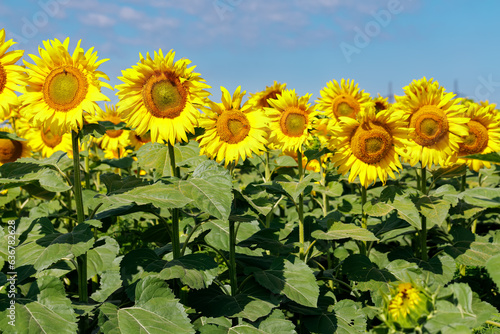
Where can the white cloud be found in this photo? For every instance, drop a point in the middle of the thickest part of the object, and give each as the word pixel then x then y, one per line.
pixel 128 13
pixel 98 20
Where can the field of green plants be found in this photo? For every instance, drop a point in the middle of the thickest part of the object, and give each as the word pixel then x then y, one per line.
pixel 259 213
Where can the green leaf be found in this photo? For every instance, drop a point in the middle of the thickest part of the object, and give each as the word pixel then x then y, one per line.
pixel 195 270
pixel 44 310
pixel 210 188
pixel 11 195
pixel 101 256
pixel 295 188
pixel 10 135
pixel 25 171
pixel 359 268
pixel 123 163
pixel 43 251
pixel 405 207
pixel 163 196
pixel 470 249
pixel 449 172
pixel 252 302
pixel 345 318
pixel 483 197
pixel 110 281
pixel 293 279
pixel 491 157
pixel 493 267
pixel 341 231
pixel 434 209
pixel 219 233
pixel 332 189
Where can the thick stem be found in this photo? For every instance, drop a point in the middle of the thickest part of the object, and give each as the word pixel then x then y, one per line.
pixel 267 171
pixel 463 185
pixel 77 190
pixel 175 212
pixel 232 259
pixel 423 231
pixel 300 208
pixel 364 220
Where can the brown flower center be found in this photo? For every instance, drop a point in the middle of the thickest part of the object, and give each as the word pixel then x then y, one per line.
pixel 10 150
pixel 293 121
pixel 65 88
pixel 345 105
pixel 3 78
pixel 50 139
pixel 233 126
pixel 164 95
pixel 476 141
pixel 371 143
pixel 430 125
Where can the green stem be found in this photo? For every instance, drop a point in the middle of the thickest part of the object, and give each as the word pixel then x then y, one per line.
pixel 326 204
pixel 364 220
pixel 463 185
pixel 175 212
pixel 77 190
pixel 300 208
pixel 423 231
pixel 267 171
pixel 232 258
pixel 493 323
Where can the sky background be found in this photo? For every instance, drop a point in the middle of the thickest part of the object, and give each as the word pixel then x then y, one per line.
pixel 302 43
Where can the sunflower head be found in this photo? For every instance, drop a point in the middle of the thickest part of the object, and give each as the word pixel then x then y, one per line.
pixel 260 99
pixel 232 131
pixel 483 136
pixel 162 96
pixel 10 149
pixel 342 100
pixel 369 146
pixel 436 121
pixel 113 138
pixel 12 76
pixel 290 120
pixel 381 103
pixel 62 86
pixel 45 141
pixel 407 305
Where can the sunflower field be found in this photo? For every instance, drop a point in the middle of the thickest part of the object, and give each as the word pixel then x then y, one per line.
pixel 169 212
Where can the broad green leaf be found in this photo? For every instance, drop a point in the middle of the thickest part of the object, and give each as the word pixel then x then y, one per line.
pixel 110 281
pixel 43 251
pixel 135 264
pixel 359 268
pixel 274 324
pixel 219 233
pixel 46 309
pixel 163 196
pixel 483 197
pixel 156 311
pixel 195 270
pixel 154 156
pixel 115 184
pixel 252 302
pixel 22 173
pixel 341 231
pixel 10 135
pixel 123 163
pixel 470 249
pixel 493 267
pixel 434 209
pixel 293 279
pixel 405 207
pixel 332 189
pixel 210 188
pixel 295 188
pixel 101 256
pixel 491 157
pixel 449 172
pixel 345 318
pixel 11 195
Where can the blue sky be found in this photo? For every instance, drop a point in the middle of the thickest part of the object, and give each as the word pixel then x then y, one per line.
pixel 303 43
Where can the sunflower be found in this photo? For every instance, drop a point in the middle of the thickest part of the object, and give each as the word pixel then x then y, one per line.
pixel 483 137
pixel 62 86
pixel 232 131
pixel 436 121
pixel 407 305
pixel 112 139
pixel 369 147
pixel 161 96
pixel 12 77
pixel 137 141
pixel 290 120
pixel 260 99
pixel 381 103
pixel 46 142
pixel 344 99
pixel 11 150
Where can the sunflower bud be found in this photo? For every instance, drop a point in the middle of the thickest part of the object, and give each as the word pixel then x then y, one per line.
pixel 407 306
